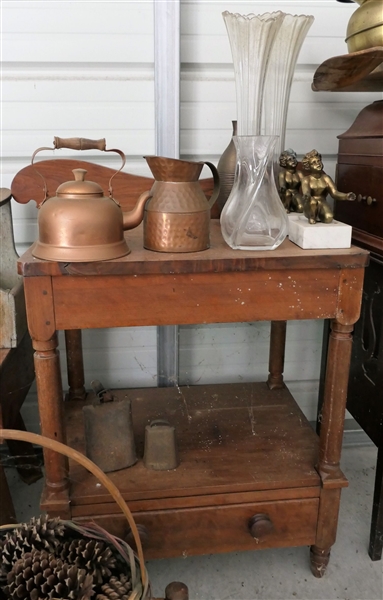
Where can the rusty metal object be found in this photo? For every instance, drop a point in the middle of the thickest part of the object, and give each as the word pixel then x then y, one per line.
pixel 109 439
pixel 80 224
pixel 177 216
pixel 160 446
pixel 260 525
pixel 176 590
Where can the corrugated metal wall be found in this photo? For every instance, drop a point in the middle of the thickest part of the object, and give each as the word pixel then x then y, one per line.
pixel 85 68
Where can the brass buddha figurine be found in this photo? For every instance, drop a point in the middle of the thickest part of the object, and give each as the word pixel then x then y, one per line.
pixel 289 180
pixel 316 186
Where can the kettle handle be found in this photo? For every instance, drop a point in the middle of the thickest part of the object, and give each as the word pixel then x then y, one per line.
pixel 216 188
pixel 80 144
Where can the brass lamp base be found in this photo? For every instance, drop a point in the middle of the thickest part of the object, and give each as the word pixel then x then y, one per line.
pixel 365 27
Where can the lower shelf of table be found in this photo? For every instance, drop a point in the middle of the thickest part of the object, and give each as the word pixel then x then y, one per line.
pixel 243 449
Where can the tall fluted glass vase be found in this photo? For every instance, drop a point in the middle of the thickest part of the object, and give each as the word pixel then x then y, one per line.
pixel 251 40
pixel 264 50
pixel 279 76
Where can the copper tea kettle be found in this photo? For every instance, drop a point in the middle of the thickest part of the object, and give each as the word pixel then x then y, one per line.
pixel 80 223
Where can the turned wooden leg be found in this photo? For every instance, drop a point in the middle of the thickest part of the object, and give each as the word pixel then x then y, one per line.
pixel 330 445
pixel 50 398
pixel 277 354
pixel 319 560
pixel 75 365
pixel 334 400
pixel 39 301
pixel 376 534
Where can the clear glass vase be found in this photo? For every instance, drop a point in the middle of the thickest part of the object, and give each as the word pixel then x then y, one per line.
pixel 253 217
pixel 265 49
pixel 279 75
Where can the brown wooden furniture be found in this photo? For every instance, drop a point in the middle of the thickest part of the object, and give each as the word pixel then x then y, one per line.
pixel 16 377
pixel 16 359
pixel 360 169
pixel 359 71
pixel 360 165
pixel 253 474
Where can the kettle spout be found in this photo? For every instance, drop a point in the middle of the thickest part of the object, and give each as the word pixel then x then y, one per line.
pixel 134 217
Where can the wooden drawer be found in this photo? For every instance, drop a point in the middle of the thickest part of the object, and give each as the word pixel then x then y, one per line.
pixel 216 529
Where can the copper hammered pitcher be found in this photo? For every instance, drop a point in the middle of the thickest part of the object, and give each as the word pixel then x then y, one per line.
pixel 177 213
pixel 80 224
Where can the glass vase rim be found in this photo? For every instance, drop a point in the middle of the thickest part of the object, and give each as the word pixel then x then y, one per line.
pixel 265 16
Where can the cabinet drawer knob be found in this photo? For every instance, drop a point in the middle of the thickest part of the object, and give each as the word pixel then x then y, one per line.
pixel 366 199
pixel 260 525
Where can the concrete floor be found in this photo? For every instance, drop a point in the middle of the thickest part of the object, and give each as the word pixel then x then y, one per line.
pixel 273 574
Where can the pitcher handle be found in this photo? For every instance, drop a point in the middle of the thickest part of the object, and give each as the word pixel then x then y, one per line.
pixel 216 188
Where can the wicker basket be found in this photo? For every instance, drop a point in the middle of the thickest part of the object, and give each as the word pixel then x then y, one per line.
pixel 134 560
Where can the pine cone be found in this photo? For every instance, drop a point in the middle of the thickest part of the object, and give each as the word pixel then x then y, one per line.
pixel 92 555
pixel 118 588
pixel 42 533
pixel 38 575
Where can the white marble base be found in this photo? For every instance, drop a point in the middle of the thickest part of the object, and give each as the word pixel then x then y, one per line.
pixel 320 235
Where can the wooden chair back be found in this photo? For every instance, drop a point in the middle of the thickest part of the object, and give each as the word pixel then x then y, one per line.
pixel 28 184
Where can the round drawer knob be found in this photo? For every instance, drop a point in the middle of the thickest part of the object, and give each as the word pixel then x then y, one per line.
pixel 176 591
pixel 260 525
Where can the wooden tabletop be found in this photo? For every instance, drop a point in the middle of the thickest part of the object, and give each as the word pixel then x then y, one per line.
pixel 218 258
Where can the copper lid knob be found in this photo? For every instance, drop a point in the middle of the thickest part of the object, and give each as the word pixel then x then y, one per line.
pixel 79 186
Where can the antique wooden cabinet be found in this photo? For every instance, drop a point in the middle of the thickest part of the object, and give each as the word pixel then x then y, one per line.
pixel 360 168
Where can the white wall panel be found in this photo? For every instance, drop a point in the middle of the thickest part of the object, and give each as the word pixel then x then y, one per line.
pixel 82 31
pixel 77 69
pixel 205 39
pixel 244 349
pixel 119 358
